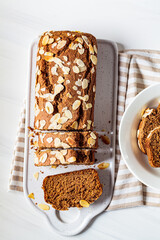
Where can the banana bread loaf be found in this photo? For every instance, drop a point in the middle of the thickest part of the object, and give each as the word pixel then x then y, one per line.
pixel 73 139
pixel 67 190
pixel 65 81
pixel 64 157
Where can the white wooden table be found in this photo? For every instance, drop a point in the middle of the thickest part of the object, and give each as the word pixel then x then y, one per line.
pixel 134 24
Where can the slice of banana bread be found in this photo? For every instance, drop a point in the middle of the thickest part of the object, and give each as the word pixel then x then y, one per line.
pixel 150 120
pixel 64 140
pixel 153 147
pixel 64 157
pixel 67 190
pixel 65 81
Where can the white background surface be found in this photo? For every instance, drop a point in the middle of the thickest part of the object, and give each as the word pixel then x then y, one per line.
pixel 134 24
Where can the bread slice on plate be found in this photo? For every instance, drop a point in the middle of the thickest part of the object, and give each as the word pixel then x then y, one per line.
pixel 72 189
pixel 150 120
pixel 153 147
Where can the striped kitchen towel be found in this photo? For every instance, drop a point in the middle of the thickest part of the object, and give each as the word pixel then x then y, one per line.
pixel 138 69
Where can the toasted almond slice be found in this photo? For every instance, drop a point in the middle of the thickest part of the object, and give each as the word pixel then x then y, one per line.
pixel 51 40
pixel 31 195
pixel 64 152
pixel 60 79
pixel 75 125
pixel 91 50
pixel 94 88
pixel 49 140
pixel 76 104
pixel 71 159
pixel 91 141
pixel 43 206
pixel 95 48
pixel 45 40
pixel 57 142
pixel 89 105
pixel 42 123
pixel 54 166
pixel 103 165
pixel 93 59
pixel 68 114
pixel 80 40
pixel 105 139
pixel 43 158
pixel 52 160
pixel 84 203
pixel 49 107
pixel 81 51
pixel 36 175
pixel 85 83
pixel 61 44
pixel 93 135
pixel 75 69
pixel 62 120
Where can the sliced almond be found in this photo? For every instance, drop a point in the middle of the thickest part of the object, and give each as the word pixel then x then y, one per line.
pixel 48 54
pixel 103 165
pixel 85 39
pixel 71 159
pixel 94 88
pixel 79 92
pixel 43 206
pixel 76 104
pixel 84 203
pixel 45 40
pixel 78 83
pixel 62 120
pixel 65 58
pixel 41 51
pixel 54 44
pixel 105 139
pixel 69 95
pixel 68 114
pixel 60 79
pixel 59 156
pixel 65 145
pixel 75 69
pixel 79 62
pixel 49 107
pixel 42 123
pixel 92 70
pixel 55 118
pixel 38 58
pixel 49 140
pixel 81 51
pixel 89 105
pixel 51 40
pixel 37 124
pixel 91 141
pixel 91 50
pixel 52 160
pixel 93 135
pixel 85 83
pixel 95 48
pixel 80 40
pixel 67 81
pixel 75 88
pixel 84 126
pixel 93 59
pixel 54 70
pixel 58 88
pixel 36 175
pixel 31 195
pixel 57 142
pixel 66 70
pixel 43 158
pixel 61 44
pixel 64 152
pixel 75 125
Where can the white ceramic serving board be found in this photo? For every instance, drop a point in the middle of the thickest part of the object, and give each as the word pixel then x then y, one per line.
pixel 74 220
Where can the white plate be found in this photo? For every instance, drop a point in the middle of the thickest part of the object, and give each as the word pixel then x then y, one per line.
pixel 74 220
pixel 135 160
